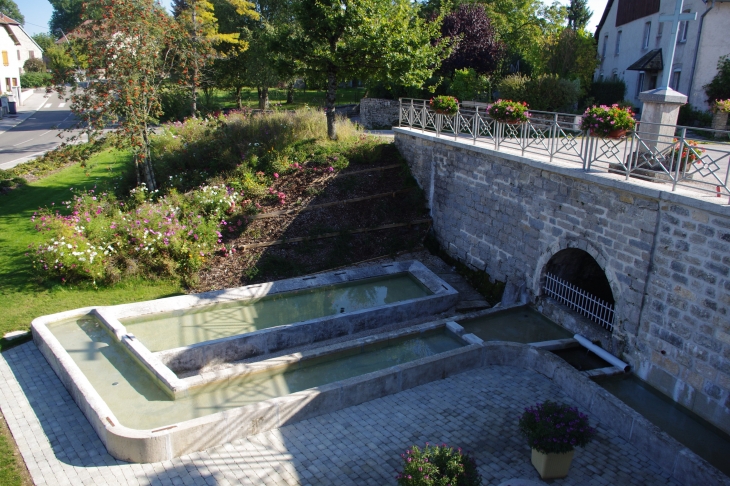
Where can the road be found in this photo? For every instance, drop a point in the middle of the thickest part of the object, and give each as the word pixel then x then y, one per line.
pixel 38 133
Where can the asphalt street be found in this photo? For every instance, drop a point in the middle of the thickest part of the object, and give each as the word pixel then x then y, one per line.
pixel 38 133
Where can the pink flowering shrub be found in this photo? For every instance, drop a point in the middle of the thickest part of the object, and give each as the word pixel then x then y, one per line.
pixel 602 120
pixel 102 238
pixel 438 466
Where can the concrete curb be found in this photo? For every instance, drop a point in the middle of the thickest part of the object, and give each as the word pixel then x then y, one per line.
pixel 10 123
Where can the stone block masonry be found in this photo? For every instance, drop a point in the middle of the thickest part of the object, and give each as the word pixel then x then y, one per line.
pixel 666 255
pixel 377 114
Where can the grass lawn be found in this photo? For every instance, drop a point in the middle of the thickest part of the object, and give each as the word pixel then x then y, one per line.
pixel 302 98
pixel 21 298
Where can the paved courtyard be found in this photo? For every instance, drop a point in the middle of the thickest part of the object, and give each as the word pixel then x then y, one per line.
pixel 476 410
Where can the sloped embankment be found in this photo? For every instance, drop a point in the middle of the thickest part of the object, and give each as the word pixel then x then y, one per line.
pixel 328 220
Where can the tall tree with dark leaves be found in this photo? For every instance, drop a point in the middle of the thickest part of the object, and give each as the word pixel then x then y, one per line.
pixel 474 41
pixel 379 40
pixel 10 8
pixel 66 15
pixel 579 14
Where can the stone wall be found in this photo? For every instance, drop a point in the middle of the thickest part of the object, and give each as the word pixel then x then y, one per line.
pixel 666 255
pixel 378 114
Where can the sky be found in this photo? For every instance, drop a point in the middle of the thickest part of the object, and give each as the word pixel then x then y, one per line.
pixel 38 12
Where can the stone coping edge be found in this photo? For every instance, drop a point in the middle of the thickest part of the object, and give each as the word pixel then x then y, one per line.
pixel 647 189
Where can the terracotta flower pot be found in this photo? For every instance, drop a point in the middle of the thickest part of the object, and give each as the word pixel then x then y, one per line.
pixel 615 134
pixel 552 466
pixel 444 112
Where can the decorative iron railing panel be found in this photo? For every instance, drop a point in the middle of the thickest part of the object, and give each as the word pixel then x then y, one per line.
pixel 658 153
pixel 580 301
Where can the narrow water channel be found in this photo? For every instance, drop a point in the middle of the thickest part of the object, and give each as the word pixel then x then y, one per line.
pixel 698 435
pixel 519 325
pixel 190 326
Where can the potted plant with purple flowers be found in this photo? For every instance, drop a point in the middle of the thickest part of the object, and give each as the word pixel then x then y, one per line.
pixel 553 431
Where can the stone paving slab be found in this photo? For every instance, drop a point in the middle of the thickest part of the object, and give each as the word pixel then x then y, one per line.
pixel 476 410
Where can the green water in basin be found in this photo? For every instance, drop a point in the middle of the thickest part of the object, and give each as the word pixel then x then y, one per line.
pixel 190 326
pixel 695 433
pixel 138 402
pixel 520 325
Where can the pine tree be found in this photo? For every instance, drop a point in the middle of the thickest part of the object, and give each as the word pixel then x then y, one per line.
pixel 579 14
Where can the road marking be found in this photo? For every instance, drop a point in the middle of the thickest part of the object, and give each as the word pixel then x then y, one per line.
pixel 23 159
pixel 61 105
pixel 21 143
pixel 49 131
pixel 48 105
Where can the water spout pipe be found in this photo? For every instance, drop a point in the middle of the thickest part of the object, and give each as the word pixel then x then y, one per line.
pixel 602 353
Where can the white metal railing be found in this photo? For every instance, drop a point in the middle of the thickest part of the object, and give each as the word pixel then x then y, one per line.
pixel 580 301
pixel 658 153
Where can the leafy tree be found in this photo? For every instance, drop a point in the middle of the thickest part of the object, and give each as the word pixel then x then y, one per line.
pixel 474 41
pixel 34 65
pixel 365 39
pixel 10 8
pixel 467 84
pixel 198 19
pixel 61 62
pixel 719 87
pixel 579 14
pixel 572 55
pixel 66 15
pixel 44 40
pixel 130 52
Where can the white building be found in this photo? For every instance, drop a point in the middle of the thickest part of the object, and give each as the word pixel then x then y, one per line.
pixel 633 45
pixel 16 47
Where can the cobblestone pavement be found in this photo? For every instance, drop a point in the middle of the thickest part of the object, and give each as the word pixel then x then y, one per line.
pixel 477 410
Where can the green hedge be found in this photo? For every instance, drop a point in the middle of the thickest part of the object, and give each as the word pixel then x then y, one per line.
pixel 35 80
pixel 546 92
pixel 606 92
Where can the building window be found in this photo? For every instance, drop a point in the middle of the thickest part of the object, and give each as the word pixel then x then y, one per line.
pixel 614 75
pixel 640 83
pixel 605 45
pixel 647 34
pixel 31 54
pixel 618 43
pixel 19 58
pixel 683 27
pixel 15 81
pixel 674 84
pixel 6 59
pixel 7 84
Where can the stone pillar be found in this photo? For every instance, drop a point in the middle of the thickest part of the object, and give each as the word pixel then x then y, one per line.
pixel 719 120
pixel 660 106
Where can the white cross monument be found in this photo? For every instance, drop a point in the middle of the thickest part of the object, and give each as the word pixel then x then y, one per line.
pixel 661 105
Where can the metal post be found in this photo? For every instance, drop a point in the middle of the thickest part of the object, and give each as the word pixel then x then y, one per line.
pixel 680 159
pixel 400 111
pixel 423 117
pixel 456 124
pixel 554 131
pixel 475 125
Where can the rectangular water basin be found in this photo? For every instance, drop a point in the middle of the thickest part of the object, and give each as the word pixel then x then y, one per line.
pixel 259 319
pixel 519 324
pixel 138 421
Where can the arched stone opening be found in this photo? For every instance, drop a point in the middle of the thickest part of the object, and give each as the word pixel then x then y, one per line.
pixel 579 268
